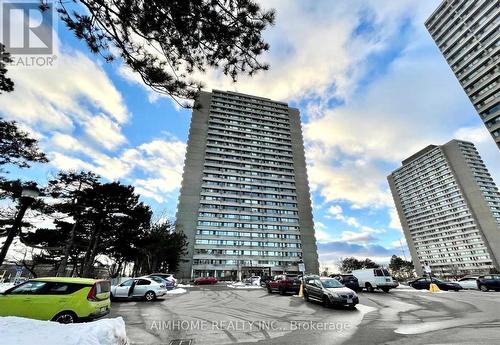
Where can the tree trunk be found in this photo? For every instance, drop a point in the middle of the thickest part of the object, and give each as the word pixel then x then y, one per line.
pixel 89 262
pixel 14 230
pixel 69 244
pixel 61 271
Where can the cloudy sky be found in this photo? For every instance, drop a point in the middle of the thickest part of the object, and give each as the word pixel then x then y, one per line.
pixel 371 86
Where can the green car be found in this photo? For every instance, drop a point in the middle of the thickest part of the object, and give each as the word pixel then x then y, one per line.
pixel 65 300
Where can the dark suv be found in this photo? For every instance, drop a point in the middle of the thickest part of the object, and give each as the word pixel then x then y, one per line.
pixel 348 280
pixel 284 283
pixel 329 291
pixel 489 282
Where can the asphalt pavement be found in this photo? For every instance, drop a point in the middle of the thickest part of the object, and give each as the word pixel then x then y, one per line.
pixel 221 315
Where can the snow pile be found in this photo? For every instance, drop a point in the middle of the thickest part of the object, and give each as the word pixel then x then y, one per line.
pixel 176 291
pixel 18 330
pixel 5 286
pixel 183 285
pixel 240 285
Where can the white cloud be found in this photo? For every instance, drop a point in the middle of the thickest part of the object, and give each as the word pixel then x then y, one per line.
pixel 365 234
pixel 358 237
pixel 394 222
pixel 315 49
pixel 104 132
pixel 321 232
pixel 338 213
pixel 51 99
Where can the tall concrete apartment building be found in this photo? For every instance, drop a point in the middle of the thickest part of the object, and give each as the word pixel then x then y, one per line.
pixel 245 204
pixel 449 209
pixel 468 34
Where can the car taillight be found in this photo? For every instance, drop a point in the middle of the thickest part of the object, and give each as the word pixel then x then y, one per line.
pixel 92 293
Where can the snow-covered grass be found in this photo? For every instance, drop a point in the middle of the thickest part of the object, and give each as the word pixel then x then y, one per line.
pixel 176 291
pixel 18 330
pixel 5 286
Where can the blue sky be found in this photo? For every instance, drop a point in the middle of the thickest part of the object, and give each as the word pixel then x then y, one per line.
pixel 371 86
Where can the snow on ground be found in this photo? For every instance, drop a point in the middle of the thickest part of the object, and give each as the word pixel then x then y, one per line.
pixel 405 288
pixel 5 286
pixel 240 285
pixel 18 330
pixel 176 291
pixel 184 285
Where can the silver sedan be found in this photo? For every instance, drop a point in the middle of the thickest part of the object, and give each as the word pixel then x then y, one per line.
pixel 144 288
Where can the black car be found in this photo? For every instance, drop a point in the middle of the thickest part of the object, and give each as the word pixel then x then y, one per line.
pixel 425 282
pixel 489 282
pixel 348 280
pixel 264 280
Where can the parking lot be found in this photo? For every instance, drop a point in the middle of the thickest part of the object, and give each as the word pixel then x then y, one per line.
pixel 221 315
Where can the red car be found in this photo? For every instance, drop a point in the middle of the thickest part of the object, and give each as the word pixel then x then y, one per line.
pixel 284 283
pixel 205 280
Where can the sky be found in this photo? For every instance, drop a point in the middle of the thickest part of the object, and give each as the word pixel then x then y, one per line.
pixel 371 86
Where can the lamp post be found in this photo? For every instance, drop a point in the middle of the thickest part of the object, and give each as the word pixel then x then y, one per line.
pixel 28 196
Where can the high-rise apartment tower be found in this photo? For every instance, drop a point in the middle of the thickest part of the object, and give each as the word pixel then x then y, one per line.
pixel 245 204
pixel 468 34
pixel 449 207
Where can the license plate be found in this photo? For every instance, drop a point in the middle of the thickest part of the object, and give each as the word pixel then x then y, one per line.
pixel 349 300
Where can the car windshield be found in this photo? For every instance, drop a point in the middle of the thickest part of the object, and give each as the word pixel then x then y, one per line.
pixel 331 283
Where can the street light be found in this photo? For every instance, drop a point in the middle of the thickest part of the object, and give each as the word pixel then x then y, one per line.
pixel 28 195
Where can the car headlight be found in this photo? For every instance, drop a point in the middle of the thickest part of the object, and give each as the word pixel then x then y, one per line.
pixel 333 294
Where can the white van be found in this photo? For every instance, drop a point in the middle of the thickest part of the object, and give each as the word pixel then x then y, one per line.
pixel 374 278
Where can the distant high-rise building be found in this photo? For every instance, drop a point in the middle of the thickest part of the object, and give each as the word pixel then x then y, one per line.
pixel 449 207
pixel 244 204
pixel 468 34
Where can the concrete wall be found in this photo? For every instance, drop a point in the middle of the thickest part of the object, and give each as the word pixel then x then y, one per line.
pixel 189 199
pixel 308 238
pixel 475 199
pixel 404 225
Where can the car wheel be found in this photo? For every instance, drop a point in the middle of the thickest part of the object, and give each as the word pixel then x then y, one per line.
pixel 150 296
pixel 65 317
pixel 269 289
pixel 306 296
pixel 369 287
pixel 483 288
pixel 326 301
pixel 386 290
pixel 282 291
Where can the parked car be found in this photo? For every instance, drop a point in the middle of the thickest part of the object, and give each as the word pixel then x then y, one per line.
pixel 169 284
pixel 425 282
pixel 284 283
pixel 167 276
pixel 329 291
pixel 253 280
pixel 264 280
pixel 140 288
pixel 468 282
pixel 205 281
pixel 64 300
pixel 489 282
pixel 347 280
pixel 374 278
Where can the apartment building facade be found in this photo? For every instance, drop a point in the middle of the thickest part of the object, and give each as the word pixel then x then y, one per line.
pixel 468 34
pixel 449 208
pixel 245 204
